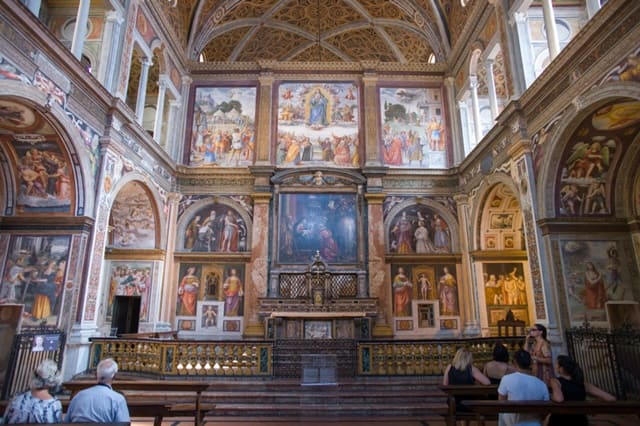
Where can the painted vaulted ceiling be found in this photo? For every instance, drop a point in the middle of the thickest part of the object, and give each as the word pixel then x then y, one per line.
pixel 401 31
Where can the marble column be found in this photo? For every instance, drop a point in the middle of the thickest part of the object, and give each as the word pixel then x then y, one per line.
pixel 157 125
pixel 475 107
pixel 465 125
pixel 468 293
pixel 171 140
pixel 80 31
pixel 371 108
pixel 550 28
pixel 523 175
pixel 142 88
pixel 109 54
pixel 263 132
pixel 526 65
pixel 258 268
pixel 169 294
pixel 180 145
pixel 491 86
pixel 379 280
pixel 454 121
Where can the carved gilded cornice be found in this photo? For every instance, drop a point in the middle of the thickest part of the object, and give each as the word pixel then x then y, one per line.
pixel 111 253
pixel 499 255
pixel 583 225
pixel 49 223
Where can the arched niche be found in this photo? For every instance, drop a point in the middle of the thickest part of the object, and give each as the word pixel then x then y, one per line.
pixel 421 226
pixel 133 220
pixel 215 224
pixel 557 148
pixel 591 159
pixel 501 220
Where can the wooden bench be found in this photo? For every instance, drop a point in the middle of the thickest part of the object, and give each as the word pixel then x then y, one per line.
pixel 465 391
pixel 166 401
pixel 484 410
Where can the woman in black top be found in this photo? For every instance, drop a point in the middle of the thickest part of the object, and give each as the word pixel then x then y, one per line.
pixel 499 365
pixel 570 386
pixel 462 372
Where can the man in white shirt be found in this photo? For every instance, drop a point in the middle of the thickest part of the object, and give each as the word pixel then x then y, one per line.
pixel 521 386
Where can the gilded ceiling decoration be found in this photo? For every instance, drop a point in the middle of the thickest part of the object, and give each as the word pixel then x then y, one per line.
pixel 397 31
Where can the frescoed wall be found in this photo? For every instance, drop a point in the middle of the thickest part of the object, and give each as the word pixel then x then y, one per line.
pixel 593 274
pixel 419 229
pixel 34 275
pixel 504 289
pixel 318 125
pixel 223 126
pixel 215 228
pixel 586 178
pixel 413 128
pixel 216 285
pixel 130 278
pixel 133 219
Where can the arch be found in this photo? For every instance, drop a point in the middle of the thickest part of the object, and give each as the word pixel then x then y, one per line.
pixel 129 218
pixel 155 199
pixel 189 215
pixel 450 220
pixel 575 114
pixel 70 136
pixel 484 192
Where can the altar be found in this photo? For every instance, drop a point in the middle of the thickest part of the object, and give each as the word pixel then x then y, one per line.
pixel 318 304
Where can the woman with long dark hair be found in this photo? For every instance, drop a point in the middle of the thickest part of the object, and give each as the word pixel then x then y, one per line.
pixel 570 386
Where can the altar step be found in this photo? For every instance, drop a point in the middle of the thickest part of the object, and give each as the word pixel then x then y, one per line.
pixel 415 398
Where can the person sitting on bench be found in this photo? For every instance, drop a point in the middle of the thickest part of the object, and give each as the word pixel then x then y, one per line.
pixel 521 386
pixel 99 403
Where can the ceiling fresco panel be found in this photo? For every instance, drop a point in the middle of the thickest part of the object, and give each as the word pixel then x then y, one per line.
pixel 247 9
pixel 382 9
pixel 220 48
pixel 364 44
pixel 307 16
pixel 413 47
pixel 269 43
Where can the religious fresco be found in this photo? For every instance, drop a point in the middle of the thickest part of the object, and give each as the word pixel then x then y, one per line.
pixel 317 223
pixel 413 128
pixel 132 219
pixel 505 289
pixel 215 228
pixel 419 229
pixel 34 275
pixel 421 283
pixel 130 278
pixel 203 284
pixel 44 175
pixel 318 125
pixel 586 181
pixel 593 275
pixel 223 126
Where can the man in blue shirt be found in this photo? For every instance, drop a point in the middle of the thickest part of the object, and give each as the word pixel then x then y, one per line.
pixel 99 403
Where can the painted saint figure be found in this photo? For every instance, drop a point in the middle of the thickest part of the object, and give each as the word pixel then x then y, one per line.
pixel 595 293
pixel 448 293
pixel 233 294
pixel 402 289
pixel 318 109
pixel 188 292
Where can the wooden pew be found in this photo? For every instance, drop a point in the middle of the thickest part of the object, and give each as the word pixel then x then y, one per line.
pixel 465 391
pixel 162 397
pixel 490 409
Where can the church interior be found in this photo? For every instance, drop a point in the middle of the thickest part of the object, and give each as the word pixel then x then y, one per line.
pixel 190 186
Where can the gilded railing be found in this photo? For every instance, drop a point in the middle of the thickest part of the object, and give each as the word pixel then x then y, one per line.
pixel 182 358
pixel 405 358
pixel 185 358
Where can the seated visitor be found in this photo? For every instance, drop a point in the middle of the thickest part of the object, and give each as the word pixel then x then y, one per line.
pixel 499 365
pixel 37 405
pixel 99 403
pixel 569 385
pixel 521 386
pixel 462 372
